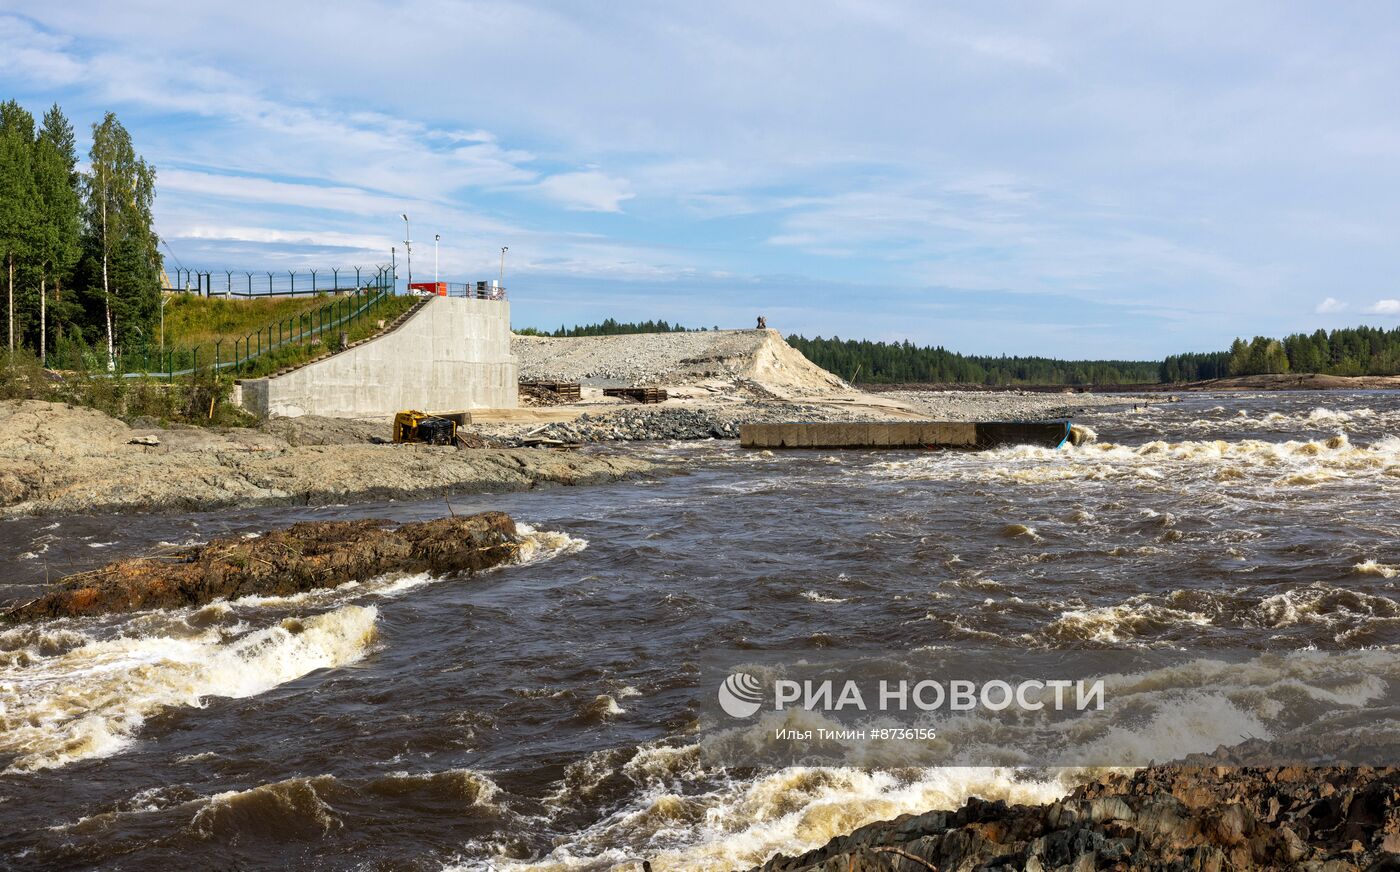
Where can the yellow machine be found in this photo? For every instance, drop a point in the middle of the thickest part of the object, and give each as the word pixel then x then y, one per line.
pixel 413 426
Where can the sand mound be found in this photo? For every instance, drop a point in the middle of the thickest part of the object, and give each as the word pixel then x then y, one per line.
pixel 760 357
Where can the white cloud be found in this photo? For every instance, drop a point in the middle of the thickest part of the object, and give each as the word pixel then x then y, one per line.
pixel 1385 307
pixel 309 237
pixel 1330 306
pixel 909 144
pixel 589 191
pixel 261 190
pixel 27 54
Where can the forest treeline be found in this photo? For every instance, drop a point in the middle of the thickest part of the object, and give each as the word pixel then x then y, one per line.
pixel 612 327
pixel 1346 351
pixel 79 262
pixel 866 362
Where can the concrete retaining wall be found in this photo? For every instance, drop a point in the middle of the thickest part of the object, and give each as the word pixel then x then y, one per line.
pixel 451 354
pixel 904 434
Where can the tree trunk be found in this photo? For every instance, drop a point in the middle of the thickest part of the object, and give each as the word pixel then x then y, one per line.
pixel 11 307
pixel 58 300
pixel 106 289
pixel 43 317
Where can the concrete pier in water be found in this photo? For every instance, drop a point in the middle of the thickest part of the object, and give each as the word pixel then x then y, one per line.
pixel 906 434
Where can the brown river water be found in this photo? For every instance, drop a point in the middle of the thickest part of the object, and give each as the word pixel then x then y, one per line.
pixel 542 716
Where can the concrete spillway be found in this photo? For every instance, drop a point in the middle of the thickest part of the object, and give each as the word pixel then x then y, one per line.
pixel 451 354
pixel 905 434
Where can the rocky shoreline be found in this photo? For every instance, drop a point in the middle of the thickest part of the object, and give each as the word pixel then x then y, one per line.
pixel 61 459
pixel 1168 817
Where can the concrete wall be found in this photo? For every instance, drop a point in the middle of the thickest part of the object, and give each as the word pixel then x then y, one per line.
pixel 451 354
pixel 905 434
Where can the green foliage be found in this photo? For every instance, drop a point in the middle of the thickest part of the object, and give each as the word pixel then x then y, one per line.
pixel 195 321
pixel 203 400
pixel 1195 366
pixel 610 327
pixel 869 362
pixel 1348 351
pixel 120 244
pixel 80 247
pixel 297 353
pixel 19 245
pixel 58 226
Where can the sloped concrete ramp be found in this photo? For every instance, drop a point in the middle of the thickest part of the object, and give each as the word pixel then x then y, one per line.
pixel 450 354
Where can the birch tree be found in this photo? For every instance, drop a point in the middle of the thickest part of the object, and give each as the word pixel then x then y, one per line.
pixel 120 188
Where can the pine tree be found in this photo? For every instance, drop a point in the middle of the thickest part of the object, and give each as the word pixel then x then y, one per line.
pixel 17 200
pixel 57 185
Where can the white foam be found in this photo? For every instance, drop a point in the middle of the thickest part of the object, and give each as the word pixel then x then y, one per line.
pixel 91 700
pixel 537 545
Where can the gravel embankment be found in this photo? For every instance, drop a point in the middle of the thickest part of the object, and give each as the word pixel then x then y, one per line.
pixel 1009 405
pixel 670 359
pixel 641 423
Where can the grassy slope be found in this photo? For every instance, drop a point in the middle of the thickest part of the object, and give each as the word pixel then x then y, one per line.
pixel 200 322
pixel 294 355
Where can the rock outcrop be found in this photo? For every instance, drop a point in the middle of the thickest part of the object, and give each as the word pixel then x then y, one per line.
pixel 59 459
pixel 305 556
pixel 1160 818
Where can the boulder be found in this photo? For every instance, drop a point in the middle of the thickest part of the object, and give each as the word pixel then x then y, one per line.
pixel 302 557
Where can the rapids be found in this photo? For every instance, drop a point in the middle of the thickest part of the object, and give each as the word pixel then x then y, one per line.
pixel 543 715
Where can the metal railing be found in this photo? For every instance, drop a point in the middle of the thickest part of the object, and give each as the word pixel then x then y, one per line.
pixel 308 326
pixel 345 311
pixel 284 283
pixel 470 290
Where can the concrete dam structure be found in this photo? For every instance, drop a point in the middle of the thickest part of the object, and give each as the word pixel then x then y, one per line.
pixel 452 353
pixel 971 435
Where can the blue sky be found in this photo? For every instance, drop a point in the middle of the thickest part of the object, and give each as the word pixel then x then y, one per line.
pixel 1079 179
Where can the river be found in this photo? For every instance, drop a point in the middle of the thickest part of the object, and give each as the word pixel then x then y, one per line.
pixel 542 716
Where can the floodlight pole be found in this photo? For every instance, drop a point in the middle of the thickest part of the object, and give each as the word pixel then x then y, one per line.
pixel 408 248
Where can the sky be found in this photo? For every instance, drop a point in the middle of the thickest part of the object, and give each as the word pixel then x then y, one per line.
pixel 1075 179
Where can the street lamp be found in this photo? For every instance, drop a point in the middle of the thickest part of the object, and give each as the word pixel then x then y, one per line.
pixel 408 248
pixel 502 281
pixel 437 237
